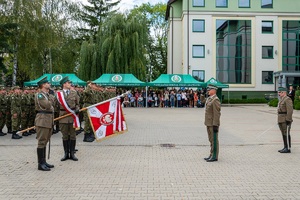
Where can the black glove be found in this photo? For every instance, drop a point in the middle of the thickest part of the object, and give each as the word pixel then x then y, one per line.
pixel 288 123
pixel 215 129
pixel 77 111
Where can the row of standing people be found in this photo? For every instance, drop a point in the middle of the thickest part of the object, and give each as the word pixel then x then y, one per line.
pixel 165 98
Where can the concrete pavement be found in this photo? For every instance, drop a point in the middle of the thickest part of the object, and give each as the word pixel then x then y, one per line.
pixel 137 165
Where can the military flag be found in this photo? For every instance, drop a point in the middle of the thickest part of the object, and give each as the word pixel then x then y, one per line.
pixel 107 118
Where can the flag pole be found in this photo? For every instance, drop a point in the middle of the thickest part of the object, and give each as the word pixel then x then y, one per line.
pixel 82 109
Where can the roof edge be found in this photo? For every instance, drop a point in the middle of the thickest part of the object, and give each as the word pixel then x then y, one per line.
pixel 168 8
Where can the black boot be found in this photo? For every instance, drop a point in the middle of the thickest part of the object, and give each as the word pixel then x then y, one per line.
pixel 47 164
pixel 25 134
pixel 2 134
pixel 41 160
pixel 9 131
pixel 66 149
pixel 289 144
pixel 72 150
pixel 286 149
pixel 15 135
pixel 88 138
pixel 283 144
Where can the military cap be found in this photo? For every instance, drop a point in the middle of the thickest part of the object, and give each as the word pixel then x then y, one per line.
pixel 15 87
pixel 64 80
pixel 42 81
pixel 212 87
pixel 26 88
pixel 88 82
pixel 282 89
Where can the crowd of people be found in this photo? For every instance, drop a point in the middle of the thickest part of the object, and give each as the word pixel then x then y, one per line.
pixel 165 98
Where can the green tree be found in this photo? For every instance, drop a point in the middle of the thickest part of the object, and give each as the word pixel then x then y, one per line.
pixel 157 39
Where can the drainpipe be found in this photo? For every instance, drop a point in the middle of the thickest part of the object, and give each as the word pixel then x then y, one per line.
pixel 188 36
pixel 172 50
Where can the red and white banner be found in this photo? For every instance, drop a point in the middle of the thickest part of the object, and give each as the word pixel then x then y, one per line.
pixel 62 101
pixel 107 119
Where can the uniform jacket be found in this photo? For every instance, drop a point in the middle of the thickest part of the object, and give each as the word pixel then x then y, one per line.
pixel 73 101
pixel 285 109
pixel 15 105
pixel 44 108
pixel 212 111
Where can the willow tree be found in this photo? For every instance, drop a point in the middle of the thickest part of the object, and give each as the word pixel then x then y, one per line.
pixel 119 47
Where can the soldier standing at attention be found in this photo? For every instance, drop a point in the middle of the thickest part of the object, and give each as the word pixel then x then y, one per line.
pixel 15 108
pixel 2 110
pixel 285 112
pixel 43 122
pixel 212 122
pixel 25 109
pixel 66 124
pixel 89 97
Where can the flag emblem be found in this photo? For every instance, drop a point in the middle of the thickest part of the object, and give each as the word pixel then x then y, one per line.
pixel 107 119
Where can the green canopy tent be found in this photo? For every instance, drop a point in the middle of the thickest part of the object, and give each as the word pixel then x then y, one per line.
pixel 219 85
pixel 54 79
pixel 119 80
pixel 176 80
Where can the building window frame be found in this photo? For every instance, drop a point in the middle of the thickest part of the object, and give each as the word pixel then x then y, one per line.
pixel 269 73
pixel 221 6
pixel 203 51
pixel 196 73
pixel 199 20
pixel 200 4
pixel 264 5
pixel 266 31
pixel 241 6
pixel 270 54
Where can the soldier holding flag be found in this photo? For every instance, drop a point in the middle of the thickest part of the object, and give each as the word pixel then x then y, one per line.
pixel 43 122
pixel 69 103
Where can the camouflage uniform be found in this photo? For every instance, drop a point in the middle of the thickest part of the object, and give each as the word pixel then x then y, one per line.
pixel 25 110
pixel 31 111
pixel 2 111
pixel 15 108
pixel 89 97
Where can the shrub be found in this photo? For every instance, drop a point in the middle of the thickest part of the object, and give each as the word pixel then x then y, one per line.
pixel 273 103
pixel 244 101
pixel 297 100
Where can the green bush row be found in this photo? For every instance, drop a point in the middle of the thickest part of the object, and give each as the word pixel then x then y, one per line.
pixel 273 103
pixel 244 101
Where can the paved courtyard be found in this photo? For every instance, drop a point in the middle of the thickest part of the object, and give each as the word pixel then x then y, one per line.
pixel 136 165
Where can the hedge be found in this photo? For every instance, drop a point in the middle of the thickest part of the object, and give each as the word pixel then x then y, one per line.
pixel 244 101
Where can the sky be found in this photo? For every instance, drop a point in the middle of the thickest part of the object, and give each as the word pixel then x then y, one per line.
pixel 129 4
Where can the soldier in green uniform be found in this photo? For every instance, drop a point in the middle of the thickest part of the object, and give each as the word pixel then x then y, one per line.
pixel 15 108
pixel 8 111
pixel 66 124
pixel 285 114
pixel 25 109
pixel 89 95
pixel 43 122
pixel 2 110
pixel 212 122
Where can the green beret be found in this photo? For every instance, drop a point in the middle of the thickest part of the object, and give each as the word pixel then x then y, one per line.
pixel 282 89
pixel 64 80
pixel 211 86
pixel 42 81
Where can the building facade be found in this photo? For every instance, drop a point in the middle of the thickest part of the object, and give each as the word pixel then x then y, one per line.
pixel 252 45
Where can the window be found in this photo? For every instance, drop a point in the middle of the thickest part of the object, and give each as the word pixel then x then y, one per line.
pixel 198 51
pixel 233 48
pixel 198 3
pixel 244 3
pixel 198 25
pixel 199 75
pixel 267 27
pixel 291 46
pixel 266 3
pixel 221 3
pixel 267 52
pixel 267 77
